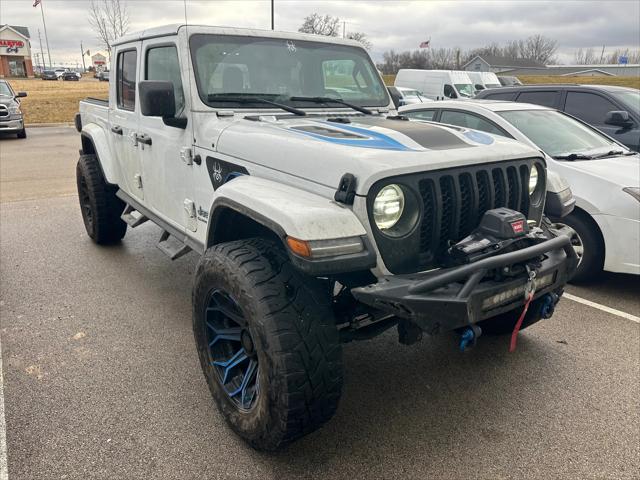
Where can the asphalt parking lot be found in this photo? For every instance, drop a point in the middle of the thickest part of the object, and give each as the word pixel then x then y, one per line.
pixel 102 380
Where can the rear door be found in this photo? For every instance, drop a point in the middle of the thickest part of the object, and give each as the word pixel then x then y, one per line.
pixel 123 118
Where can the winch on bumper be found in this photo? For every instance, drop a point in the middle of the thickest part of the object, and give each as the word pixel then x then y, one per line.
pixel 489 276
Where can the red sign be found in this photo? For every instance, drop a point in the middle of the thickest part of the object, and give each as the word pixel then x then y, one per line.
pixel 518 227
pixel 12 43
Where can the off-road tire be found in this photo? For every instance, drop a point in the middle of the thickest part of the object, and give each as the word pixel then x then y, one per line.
pixel 22 133
pixel 592 262
pixel 100 207
pixel 289 318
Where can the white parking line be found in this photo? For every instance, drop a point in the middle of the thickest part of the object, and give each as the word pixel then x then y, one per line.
pixel 604 308
pixel 4 468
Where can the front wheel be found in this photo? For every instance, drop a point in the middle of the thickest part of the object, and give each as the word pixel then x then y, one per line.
pixel 588 244
pixel 267 342
pixel 22 133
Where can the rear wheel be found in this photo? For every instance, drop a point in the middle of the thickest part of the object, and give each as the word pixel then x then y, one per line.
pixel 267 342
pixel 101 208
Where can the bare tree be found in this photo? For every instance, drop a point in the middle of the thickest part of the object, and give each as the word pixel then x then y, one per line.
pixel 585 57
pixel 321 25
pixel 110 19
pixel 360 37
pixel 538 48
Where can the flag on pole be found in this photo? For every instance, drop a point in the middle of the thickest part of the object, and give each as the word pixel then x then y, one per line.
pixel 36 3
pixel 426 44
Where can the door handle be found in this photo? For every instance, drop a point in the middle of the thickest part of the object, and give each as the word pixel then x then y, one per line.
pixel 143 138
pixel 117 130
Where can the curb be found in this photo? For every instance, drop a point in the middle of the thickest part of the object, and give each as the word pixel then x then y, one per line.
pixel 42 125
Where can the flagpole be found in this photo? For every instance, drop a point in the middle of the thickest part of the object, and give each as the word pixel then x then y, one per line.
pixel 46 37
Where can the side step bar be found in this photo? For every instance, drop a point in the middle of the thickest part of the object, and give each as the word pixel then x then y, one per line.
pixel 133 217
pixel 173 250
pixel 173 242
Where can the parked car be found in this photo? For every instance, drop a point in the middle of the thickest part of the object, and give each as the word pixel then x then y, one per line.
pixel 406 96
pixel 11 118
pixel 507 80
pixel 103 76
pixel 436 84
pixel 71 76
pixel 484 80
pixel 60 71
pixel 49 75
pixel 613 110
pixel 318 220
pixel 604 175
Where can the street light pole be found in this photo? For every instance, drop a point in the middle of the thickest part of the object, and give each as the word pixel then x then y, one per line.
pixel 272 16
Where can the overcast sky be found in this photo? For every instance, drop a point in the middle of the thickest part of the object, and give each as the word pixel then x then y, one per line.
pixel 400 25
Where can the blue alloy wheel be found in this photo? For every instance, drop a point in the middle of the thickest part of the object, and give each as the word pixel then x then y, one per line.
pixel 231 349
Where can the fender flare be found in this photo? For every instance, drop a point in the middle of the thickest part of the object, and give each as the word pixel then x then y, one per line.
pixel 285 210
pixel 95 135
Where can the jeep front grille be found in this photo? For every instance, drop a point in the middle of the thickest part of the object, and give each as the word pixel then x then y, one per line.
pixel 452 203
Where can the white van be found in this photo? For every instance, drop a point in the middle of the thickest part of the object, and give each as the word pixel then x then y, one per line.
pixel 482 80
pixel 436 84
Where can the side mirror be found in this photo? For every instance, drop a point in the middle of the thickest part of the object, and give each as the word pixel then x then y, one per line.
pixel 396 98
pixel 157 99
pixel 619 118
pixel 21 94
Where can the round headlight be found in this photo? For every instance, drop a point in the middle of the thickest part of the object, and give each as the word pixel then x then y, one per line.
pixel 533 180
pixel 388 206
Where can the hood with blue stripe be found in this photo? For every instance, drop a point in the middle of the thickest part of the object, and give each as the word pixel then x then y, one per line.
pixel 322 149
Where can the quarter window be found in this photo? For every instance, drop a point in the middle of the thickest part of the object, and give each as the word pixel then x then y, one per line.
pixel 588 107
pixel 126 79
pixel 163 64
pixel 467 120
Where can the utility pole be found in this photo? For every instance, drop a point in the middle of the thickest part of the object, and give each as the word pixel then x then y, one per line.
pixel 41 51
pixel 46 37
pixel 344 28
pixel 602 55
pixel 84 67
pixel 272 15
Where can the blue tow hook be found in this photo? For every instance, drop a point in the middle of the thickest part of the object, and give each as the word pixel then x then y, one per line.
pixel 469 337
pixel 549 305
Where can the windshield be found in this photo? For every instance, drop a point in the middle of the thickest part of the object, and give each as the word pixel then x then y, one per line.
pixel 555 133
pixel 278 69
pixel 631 98
pixel 465 89
pixel 5 90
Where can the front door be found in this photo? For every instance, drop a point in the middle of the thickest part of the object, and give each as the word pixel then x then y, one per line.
pixel 165 157
pixel 123 120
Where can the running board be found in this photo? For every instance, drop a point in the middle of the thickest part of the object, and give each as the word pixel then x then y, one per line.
pixel 133 217
pixel 174 249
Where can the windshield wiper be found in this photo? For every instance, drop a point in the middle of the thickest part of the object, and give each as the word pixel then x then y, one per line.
pixel 616 153
pixel 215 97
pixel 357 108
pixel 573 156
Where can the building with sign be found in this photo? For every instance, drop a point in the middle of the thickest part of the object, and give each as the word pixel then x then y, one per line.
pixel 99 62
pixel 15 52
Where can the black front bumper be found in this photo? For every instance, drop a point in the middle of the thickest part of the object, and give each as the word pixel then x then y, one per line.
pixel 455 297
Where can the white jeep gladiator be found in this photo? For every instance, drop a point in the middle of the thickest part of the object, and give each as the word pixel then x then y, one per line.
pixel 320 216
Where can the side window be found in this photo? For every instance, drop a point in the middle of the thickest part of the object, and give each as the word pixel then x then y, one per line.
pixel 468 120
pixel 420 114
pixel 546 99
pixel 126 79
pixel 589 107
pixel 449 92
pixel 162 64
pixel 500 96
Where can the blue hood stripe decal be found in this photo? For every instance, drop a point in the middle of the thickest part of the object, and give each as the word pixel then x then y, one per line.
pixel 371 139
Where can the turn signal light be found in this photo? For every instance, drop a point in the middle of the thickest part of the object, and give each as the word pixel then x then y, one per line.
pixel 299 247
